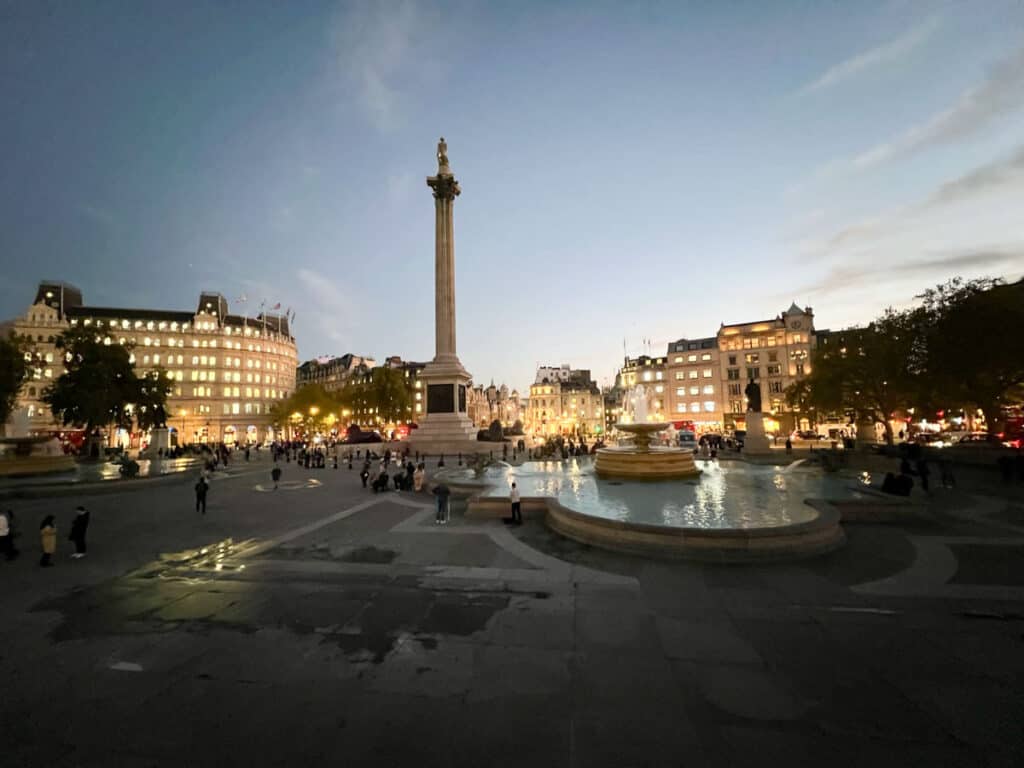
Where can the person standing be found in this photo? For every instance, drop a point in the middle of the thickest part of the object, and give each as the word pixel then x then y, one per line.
pixel 789 445
pixel 517 515
pixel 275 475
pixel 47 540
pixel 442 493
pixel 417 477
pixel 201 488
pixel 78 528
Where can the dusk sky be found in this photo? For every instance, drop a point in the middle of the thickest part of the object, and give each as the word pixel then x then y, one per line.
pixel 628 171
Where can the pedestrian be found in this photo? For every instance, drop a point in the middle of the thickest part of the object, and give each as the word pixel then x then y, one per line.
pixel 336 462
pixel 247 453
pixel 48 540
pixel 417 477
pixel 275 475
pixel 789 445
pixel 201 488
pixel 946 473
pixel 6 535
pixel 513 496
pixel 923 472
pixel 12 535
pixel 364 475
pixel 78 528
pixel 442 493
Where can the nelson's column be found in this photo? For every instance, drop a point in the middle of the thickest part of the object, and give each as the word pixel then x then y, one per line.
pixel 445 428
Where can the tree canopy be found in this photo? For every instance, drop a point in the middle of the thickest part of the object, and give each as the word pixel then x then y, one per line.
pixel 13 371
pixel 98 385
pixel 950 352
pixel 153 388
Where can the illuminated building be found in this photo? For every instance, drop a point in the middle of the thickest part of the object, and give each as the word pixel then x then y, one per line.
pixel 227 370
pixel 565 404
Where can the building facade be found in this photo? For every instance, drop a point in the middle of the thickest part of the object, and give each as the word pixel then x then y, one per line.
pixel 488 404
pixel 570 405
pixel 773 354
pixel 332 373
pixel 694 386
pixel 228 370
pixel 703 380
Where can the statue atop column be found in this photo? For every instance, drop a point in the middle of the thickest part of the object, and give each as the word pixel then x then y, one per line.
pixel 442 157
pixel 753 393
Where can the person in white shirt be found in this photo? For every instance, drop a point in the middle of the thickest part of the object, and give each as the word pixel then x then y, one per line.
pixel 513 495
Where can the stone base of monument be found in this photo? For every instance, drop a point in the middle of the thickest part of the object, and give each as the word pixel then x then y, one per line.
pixel 756 442
pixel 158 439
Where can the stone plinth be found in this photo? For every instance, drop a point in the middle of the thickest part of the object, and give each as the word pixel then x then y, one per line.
pixel 756 442
pixel 159 438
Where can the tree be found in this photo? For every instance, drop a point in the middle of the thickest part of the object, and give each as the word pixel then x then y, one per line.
pixel 863 369
pixel 971 351
pixel 310 405
pixel 151 399
pixel 385 394
pixel 13 371
pixel 98 384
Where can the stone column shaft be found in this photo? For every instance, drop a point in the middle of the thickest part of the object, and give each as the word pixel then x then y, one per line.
pixel 444 288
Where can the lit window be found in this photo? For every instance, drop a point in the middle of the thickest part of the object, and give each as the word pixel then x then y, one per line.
pixel 694 407
pixel 691 358
pixel 709 405
pixel 709 389
pixel 693 374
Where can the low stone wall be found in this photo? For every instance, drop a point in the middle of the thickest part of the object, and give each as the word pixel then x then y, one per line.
pixel 791 542
pixel 876 510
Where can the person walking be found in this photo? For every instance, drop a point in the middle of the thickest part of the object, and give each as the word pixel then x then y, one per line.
pixel 6 535
pixel 517 515
pixel 442 493
pixel 78 528
pixel 275 475
pixel 202 487
pixel 47 540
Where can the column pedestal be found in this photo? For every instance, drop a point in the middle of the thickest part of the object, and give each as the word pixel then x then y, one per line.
pixel 756 442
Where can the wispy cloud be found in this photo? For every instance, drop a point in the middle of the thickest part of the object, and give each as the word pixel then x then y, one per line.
pixel 330 305
pixel 1001 93
pixel 994 176
pixel 387 51
pixel 873 57
pixel 844 278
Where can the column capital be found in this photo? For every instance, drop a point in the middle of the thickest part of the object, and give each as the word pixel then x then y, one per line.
pixel 445 186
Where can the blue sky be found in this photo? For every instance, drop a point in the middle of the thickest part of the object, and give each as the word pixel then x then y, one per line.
pixel 629 170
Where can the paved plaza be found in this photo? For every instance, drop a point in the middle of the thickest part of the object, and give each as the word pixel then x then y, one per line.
pixel 323 624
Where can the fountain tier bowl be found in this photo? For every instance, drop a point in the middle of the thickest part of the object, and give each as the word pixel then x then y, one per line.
pixel 640 461
pixel 29 456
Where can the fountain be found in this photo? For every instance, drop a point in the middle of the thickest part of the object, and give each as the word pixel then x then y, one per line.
pixel 641 461
pixel 24 456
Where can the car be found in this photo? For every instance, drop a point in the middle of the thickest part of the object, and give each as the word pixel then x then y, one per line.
pixel 807 434
pixel 976 440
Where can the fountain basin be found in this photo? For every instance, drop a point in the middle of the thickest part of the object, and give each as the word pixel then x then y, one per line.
pixel 30 456
pixel 642 462
pixel 731 513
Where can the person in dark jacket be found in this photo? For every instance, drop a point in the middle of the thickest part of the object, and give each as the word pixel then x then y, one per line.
pixel 78 528
pixel 201 488
pixel 275 475
pixel 442 492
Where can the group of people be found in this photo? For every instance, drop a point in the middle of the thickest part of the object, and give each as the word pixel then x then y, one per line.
pixel 407 476
pixel 47 536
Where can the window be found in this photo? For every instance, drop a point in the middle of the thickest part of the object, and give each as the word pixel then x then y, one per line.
pixel 659 389
pixel 709 389
pixel 775 370
pixel 733 374
pixel 752 359
pixel 694 390
pixel 773 357
pixel 691 358
pixel 732 359
pixel 678 359
pixel 680 375
pixel 680 391
pixel 753 373
pixel 692 375
pixel 736 406
pixel 657 374
pixel 735 389
pixel 709 406
pixel 647 375
pixel 708 373
pixel 706 356
pixel 799 369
